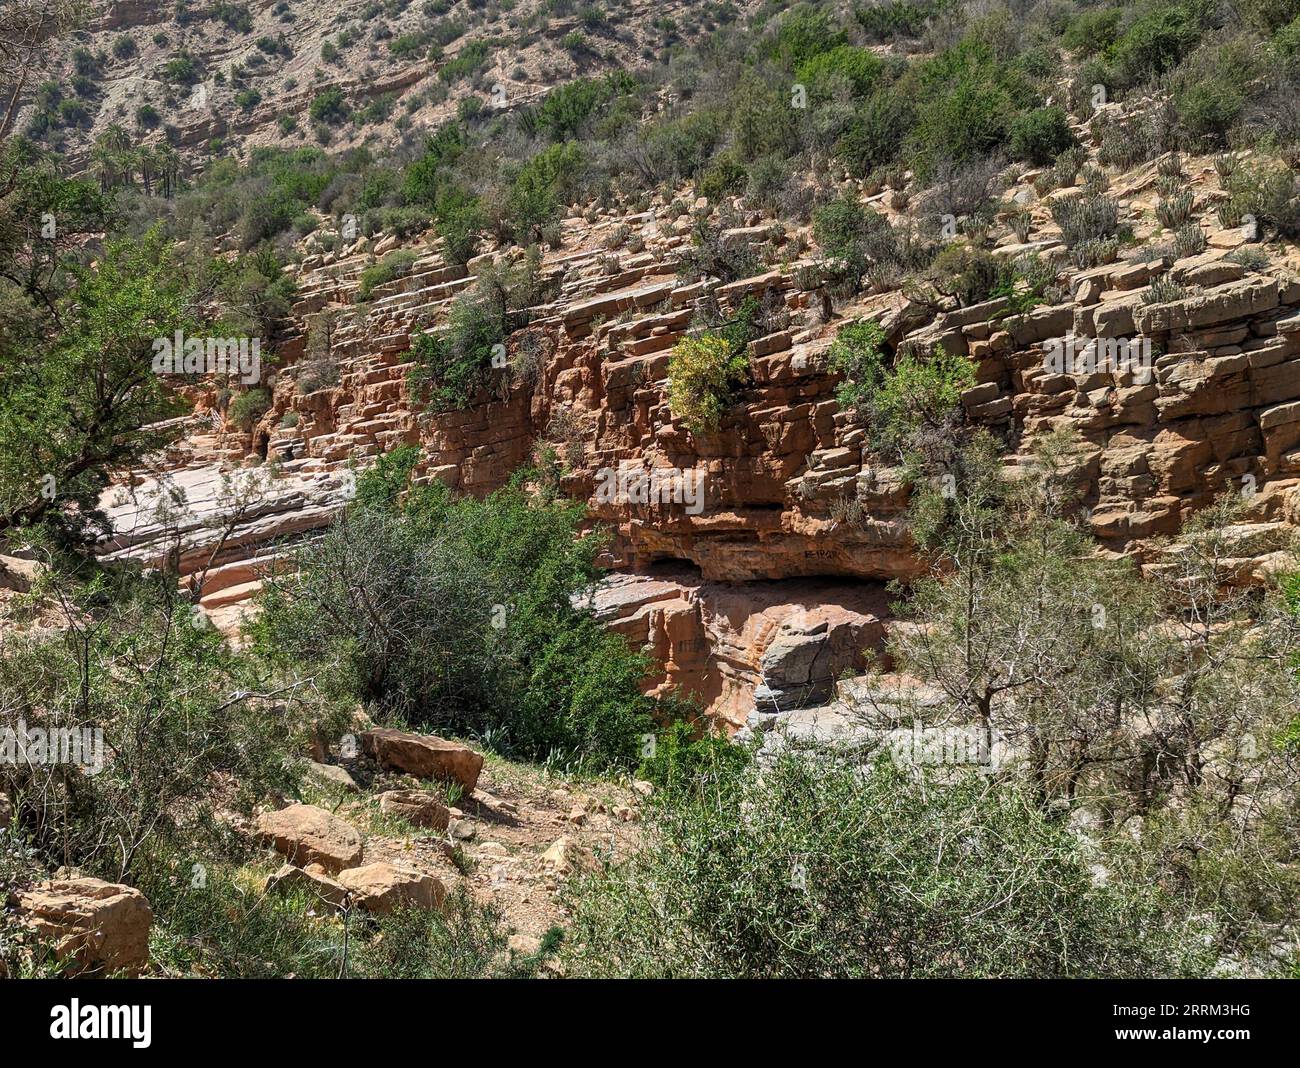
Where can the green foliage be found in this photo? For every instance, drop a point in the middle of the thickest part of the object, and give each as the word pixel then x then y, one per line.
pixel 462 614
pixel 878 131
pixel 568 109
pixel 704 374
pixel 921 394
pixel 688 754
pixel 396 264
pixel 969 101
pixel 176 707
pixel 1092 31
pixel 971 275
pixel 802 34
pixel 859 68
pixel 247 408
pixel 328 106
pixel 1041 135
pixel 77 408
pixel 454 364
pixel 1085 218
pixel 463 939
pixel 537 188
pixel 182 70
pixel 1266 192
pixel 857 354
pixel 472 56
pixel 1154 42
pixel 461 221
pixel 817 868
pixel 1210 109
pixel 885 20
pixel 846 230
pixel 424 178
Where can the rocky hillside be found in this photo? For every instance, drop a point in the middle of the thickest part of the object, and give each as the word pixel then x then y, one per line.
pixel 800 524
pixel 203 78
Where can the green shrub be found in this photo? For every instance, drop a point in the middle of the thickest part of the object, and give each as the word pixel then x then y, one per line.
pixel 920 395
pixel 472 56
pixel 803 33
pixel 464 615
pixel 454 364
pixel 859 68
pixel 857 354
pixel 247 408
pixel 687 754
pixel 877 132
pixel 460 223
pixel 1041 135
pixel 969 100
pixel 396 264
pixel 1266 192
pixel 819 868
pixel 177 710
pixel 847 231
pixel 704 373
pixel 539 185
pixel 328 106
pixel 1210 109
pixel 182 70
pixel 1286 42
pixel 885 20
pixel 1155 42
pixel 1092 31
pixel 970 275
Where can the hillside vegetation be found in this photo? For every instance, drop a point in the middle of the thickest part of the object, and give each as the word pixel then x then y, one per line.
pixel 464 194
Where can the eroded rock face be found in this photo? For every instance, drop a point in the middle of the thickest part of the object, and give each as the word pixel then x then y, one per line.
pixel 426 756
pixel 770 645
pixel 789 487
pixel 309 835
pixel 102 927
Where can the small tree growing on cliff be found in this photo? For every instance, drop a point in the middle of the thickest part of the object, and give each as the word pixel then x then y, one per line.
pixel 704 372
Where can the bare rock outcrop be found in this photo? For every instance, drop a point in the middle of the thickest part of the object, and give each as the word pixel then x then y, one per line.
pixel 426 756
pixel 101 927
pixel 381 888
pixel 306 835
pixel 415 806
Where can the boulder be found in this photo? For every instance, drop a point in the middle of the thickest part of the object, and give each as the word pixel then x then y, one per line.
pixel 381 888
pixel 102 927
pixel 415 806
pixel 330 777
pixel 565 855
pixel 425 756
pixel 310 835
pixel 313 879
pixel 18 574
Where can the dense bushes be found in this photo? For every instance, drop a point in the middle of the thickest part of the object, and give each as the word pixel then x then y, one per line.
pixel 459 614
pixel 1040 136
pixel 817 869
pixel 175 706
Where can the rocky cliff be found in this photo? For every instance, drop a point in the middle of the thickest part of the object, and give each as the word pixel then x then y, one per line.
pixel 769 585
